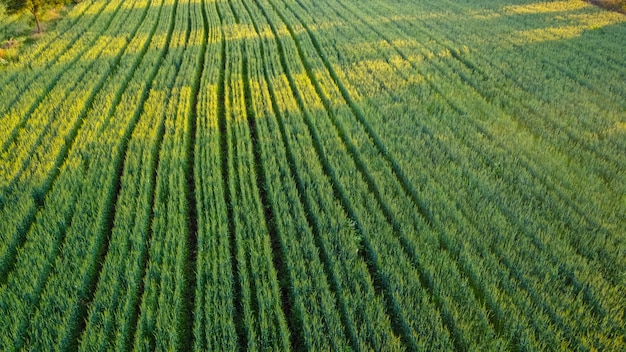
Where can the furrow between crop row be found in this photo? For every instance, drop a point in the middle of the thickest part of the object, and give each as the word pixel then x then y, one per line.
pixel 315 141
pixel 40 192
pixel 312 222
pixel 84 270
pixel 238 314
pixel 193 202
pixel 528 166
pixel 592 300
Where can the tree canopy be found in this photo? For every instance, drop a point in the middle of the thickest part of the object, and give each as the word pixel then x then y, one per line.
pixel 33 6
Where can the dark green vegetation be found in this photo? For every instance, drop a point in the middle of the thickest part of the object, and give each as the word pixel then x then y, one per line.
pixel 615 5
pixel 316 174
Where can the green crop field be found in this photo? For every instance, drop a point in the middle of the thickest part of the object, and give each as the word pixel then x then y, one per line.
pixel 315 175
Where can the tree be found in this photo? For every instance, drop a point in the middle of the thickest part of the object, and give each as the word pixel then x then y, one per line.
pixel 33 6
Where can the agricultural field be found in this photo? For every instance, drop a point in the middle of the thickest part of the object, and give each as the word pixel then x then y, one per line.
pixel 339 175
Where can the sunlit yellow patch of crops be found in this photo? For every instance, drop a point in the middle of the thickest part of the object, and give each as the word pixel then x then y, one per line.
pixel 546 34
pixel 583 22
pixel 281 86
pixel 596 20
pixel 618 129
pixel 545 7
pixel 239 31
pixel 483 14
pixel 326 24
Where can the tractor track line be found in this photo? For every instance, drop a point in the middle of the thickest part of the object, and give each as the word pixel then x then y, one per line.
pixel 242 340
pixel 391 306
pixel 287 294
pixel 80 312
pixel 191 262
pixel 331 278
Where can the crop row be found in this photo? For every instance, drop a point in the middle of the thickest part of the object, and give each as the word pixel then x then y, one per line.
pixel 52 134
pixel 394 308
pixel 59 236
pixel 113 319
pixel 44 50
pixel 313 175
pixel 216 322
pixel 395 72
pixel 37 68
